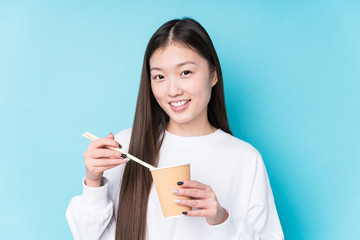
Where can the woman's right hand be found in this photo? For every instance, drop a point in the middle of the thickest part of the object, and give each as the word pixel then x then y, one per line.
pixel 98 159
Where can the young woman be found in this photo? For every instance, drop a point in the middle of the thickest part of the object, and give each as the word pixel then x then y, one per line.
pixel 180 118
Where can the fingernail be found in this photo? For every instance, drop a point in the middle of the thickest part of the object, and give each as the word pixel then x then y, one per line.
pixel 180 183
pixel 126 159
pixel 120 145
pixel 185 213
pixel 123 155
pixel 174 191
pixel 177 200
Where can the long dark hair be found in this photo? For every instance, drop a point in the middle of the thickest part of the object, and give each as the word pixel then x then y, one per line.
pixel 150 123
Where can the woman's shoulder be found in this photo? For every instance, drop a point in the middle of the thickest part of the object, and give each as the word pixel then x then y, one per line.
pixel 238 145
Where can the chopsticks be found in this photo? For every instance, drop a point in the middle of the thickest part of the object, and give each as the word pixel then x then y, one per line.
pixel 93 138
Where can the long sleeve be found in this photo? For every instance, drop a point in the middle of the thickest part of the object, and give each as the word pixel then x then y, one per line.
pixel 262 224
pixel 90 216
pixel 262 221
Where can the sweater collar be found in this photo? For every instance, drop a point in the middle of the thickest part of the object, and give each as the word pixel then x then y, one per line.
pixel 194 142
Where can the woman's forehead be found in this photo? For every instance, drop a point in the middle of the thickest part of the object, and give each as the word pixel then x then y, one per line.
pixel 175 55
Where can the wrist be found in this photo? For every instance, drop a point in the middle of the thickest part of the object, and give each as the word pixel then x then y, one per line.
pixel 225 216
pixel 222 217
pixel 90 182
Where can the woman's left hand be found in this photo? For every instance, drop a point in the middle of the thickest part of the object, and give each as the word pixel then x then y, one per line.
pixel 204 199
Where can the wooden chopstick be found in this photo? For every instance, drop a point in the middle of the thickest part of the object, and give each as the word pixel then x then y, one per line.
pixel 93 138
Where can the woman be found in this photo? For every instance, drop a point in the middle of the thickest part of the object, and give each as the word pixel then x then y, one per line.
pixel 180 118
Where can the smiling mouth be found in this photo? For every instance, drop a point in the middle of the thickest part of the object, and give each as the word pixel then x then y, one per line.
pixel 179 103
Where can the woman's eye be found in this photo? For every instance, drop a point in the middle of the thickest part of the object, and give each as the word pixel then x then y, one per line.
pixel 186 72
pixel 157 77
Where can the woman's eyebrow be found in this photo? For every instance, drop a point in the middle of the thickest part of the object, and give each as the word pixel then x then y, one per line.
pixel 185 63
pixel 177 65
pixel 155 68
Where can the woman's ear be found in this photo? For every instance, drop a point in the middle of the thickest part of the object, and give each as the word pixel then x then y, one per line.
pixel 214 77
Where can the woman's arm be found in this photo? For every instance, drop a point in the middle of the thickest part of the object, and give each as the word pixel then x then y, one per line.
pixel 91 215
pixel 261 221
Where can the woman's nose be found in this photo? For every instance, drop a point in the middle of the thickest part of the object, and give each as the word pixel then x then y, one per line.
pixel 174 88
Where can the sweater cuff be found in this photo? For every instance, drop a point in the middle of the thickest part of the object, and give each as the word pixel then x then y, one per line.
pixel 225 230
pixel 96 197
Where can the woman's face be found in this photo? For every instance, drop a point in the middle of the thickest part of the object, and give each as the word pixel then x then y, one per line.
pixel 181 81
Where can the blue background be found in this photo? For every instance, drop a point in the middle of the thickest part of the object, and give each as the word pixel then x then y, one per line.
pixel 292 83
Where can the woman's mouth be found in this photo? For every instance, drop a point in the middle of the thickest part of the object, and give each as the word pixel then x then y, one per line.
pixel 179 105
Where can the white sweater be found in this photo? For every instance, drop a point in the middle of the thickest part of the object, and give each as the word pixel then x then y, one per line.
pixel 233 169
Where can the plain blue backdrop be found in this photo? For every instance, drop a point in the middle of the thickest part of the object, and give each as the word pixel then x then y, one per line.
pixel 292 84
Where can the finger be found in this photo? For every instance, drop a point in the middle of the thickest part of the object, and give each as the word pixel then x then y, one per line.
pixel 103 153
pixel 94 171
pixel 195 203
pixel 110 136
pixel 102 142
pixel 102 169
pixel 193 184
pixel 107 162
pixel 195 193
pixel 197 213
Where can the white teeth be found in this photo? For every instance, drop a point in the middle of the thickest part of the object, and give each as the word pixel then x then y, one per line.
pixel 179 103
